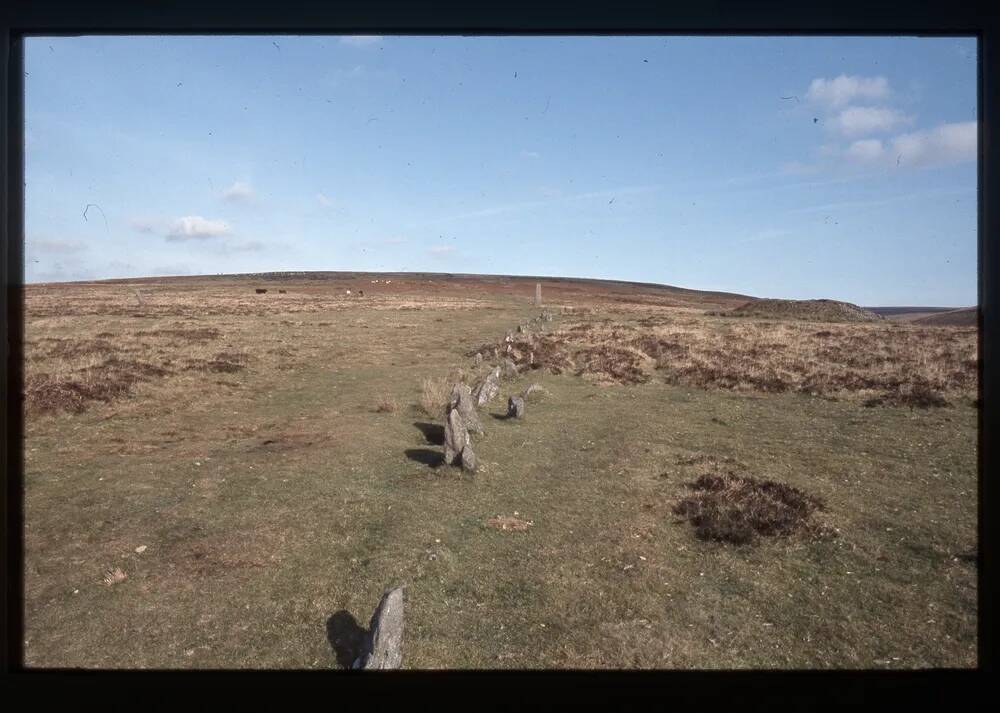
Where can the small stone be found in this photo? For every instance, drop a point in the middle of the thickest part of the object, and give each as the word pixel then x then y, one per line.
pixel 140 549
pixel 478 359
pixel 515 407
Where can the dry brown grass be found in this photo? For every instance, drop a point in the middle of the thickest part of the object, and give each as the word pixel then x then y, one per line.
pixel 434 395
pixel 894 363
pixel 385 403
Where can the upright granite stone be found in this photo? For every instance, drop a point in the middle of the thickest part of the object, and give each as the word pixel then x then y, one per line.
pixel 455 437
pixel 469 462
pixel 383 647
pixel 508 368
pixel 462 401
pixel 515 407
pixel 488 387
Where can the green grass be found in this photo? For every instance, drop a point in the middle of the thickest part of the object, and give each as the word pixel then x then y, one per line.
pixel 251 552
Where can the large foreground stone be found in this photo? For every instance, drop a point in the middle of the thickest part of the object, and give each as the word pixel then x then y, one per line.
pixel 455 437
pixel 383 647
pixel 462 401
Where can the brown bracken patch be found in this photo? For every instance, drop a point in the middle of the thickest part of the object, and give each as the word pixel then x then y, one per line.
pixel 738 509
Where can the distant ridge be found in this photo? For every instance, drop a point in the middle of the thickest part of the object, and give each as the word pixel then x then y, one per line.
pixel 807 310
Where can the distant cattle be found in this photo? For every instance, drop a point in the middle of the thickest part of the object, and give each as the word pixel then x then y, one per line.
pixel 281 292
pixel 260 290
pixel 361 293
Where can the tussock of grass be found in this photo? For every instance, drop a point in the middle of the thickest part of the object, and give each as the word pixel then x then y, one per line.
pixel 104 382
pixel 434 396
pixel 916 395
pixel 386 404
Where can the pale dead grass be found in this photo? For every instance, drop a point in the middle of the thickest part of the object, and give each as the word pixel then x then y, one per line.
pixel 838 361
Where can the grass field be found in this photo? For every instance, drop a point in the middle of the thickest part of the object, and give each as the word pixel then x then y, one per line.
pixel 260 469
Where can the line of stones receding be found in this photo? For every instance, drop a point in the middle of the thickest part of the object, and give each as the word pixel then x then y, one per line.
pixel 461 416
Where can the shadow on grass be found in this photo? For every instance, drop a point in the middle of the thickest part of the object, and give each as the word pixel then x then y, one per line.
pixel 346 637
pixel 425 456
pixel 501 416
pixel 433 432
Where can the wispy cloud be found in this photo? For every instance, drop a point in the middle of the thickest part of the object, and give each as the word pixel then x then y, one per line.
pixel 442 250
pixel 195 227
pixel 844 89
pixel 239 192
pixel 853 205
pixel 530 154
pixel 57 246
pixel 361 40
pixel 554 200
pixel 766 234
pixel 324 200
pixel 147 225
pixel 862 120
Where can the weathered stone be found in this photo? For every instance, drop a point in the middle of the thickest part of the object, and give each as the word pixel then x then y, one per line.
pixel 521 329
pixel 488 387
pixel 462 401
pixel 532 389
pixel 383 647
pixel 468 459
pixel 546 316
pixel 508 368
pixel 455 437
pixel 515 407
pixel 478 359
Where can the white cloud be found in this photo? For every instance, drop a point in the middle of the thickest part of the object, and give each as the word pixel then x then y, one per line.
pixel 865 150
pixel 195 227
pixel 530 154
pixel 360 40
pixel 441 250
pixel 324 200
pixel 844 89
pixel 239 192
pixel 948 143
pixel 862 120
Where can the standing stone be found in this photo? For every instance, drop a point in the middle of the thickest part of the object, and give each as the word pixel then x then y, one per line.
pixel 509 368
pixel 538 293
pixel 515 407
pixel 455 437
pixel 461 401
pixel 479 358
pixel 488 387
pixel 468 459
pixel 383 647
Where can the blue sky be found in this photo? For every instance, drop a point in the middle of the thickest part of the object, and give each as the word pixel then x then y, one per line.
pixel 782 167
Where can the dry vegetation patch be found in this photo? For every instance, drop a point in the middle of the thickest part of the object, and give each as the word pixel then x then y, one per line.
pixel 903 365
pixel 731 507
pixel 509 523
